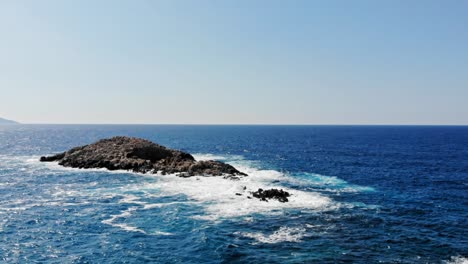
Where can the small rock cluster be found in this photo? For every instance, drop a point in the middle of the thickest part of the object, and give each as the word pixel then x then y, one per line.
pixel 277 194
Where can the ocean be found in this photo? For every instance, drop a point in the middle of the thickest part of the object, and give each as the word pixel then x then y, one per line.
pixel 360 194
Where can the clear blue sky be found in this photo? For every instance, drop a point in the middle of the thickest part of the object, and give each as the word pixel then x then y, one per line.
pixel 300 62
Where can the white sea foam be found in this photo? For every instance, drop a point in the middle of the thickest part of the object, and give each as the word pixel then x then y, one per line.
pixel 25 204
pixel 127 227
pixel 56 167
pixel 124 226
pixel 326 183
pixel 18 205
pixel 230 157
pixel 159 205
pixel 161 233
pixel 221 198
pixel 124 214
pixel 457 260
pixel 202 156
pixel 336 184
pixel 131 199
pixel 283 234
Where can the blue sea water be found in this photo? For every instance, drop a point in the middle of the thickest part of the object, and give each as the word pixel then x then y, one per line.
pixel 361 194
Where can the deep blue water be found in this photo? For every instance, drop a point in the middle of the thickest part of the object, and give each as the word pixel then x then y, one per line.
pixel 362 194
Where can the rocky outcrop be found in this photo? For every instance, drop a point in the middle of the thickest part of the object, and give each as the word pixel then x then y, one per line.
pixel 140 155
pixel 264 195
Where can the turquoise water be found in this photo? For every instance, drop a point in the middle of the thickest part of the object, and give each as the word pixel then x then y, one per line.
pixel 361 194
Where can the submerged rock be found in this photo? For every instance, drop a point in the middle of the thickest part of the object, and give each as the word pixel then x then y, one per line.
pixel 264 195
pixel 140 155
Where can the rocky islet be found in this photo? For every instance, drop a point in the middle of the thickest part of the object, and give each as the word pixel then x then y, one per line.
pixel 143 156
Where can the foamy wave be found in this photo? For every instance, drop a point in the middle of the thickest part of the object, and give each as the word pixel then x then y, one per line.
pixel 235 160
pixel 283 234
pixel 131 199
pixel 457 260
pixel 159 205
pixel 123 226
pixel 18 205
pixel 201 156
pixel 328 183
pixel 221 198
pixel 126 227
pixel 160 233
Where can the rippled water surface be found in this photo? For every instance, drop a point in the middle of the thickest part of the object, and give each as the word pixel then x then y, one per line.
pixel 361 194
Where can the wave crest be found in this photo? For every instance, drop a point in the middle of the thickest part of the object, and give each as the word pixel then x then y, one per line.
pixel 283 234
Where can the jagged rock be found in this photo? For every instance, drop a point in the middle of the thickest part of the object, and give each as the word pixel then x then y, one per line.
pixel 264 195
pixel 140 155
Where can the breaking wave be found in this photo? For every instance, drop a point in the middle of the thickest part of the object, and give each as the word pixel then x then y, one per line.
pixel 283 234
pixel 219 198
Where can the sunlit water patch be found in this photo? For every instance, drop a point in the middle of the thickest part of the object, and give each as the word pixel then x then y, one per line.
pixel 214 198
pixel 349 203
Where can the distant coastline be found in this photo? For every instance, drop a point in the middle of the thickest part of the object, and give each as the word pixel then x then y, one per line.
pixel 7 122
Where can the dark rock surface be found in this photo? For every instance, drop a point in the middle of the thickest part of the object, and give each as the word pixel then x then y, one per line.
pixel 140 155
pixel 264 195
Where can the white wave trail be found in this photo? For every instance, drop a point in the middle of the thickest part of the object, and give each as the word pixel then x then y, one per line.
pixel 125 214
pixel 283 234
pixel 457 260
pixel 123 226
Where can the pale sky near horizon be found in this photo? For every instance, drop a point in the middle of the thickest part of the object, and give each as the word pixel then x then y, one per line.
pixel 238 62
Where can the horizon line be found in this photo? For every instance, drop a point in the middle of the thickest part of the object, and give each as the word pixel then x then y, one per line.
pixel 238 124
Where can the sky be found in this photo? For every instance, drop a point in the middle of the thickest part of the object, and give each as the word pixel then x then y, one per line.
pixel 234 62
